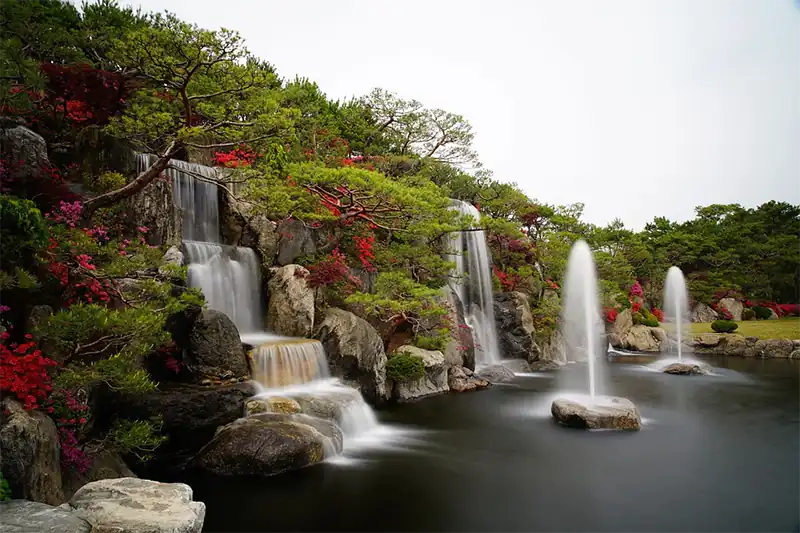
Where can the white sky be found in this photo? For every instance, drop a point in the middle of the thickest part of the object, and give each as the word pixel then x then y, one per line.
pixel 638 108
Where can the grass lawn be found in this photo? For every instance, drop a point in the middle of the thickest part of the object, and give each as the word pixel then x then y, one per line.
pixel 784 328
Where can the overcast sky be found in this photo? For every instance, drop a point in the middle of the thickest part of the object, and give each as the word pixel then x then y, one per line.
pixel 637 108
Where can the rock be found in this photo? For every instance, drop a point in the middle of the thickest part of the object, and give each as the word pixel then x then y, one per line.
pixel 27 149
pixel 330 404
pixel 553 348
pixel 772 314
pixel 605 412
pixel 153 207
pixel 23 516
pixel 254 447
pixel 703 313
pixel 290 310
pixel 462 379
pixel 433 382
pixel 515 331
pixel 538 366
pixel 734 306
pixel 261 234
pixel 620 328
pixel 37 316
pixel 327 427
pixel 172 258
pixel 518 366
pixel 496 374
pixel 104 465
pixel 215 350
pixel 30 454
pixel 708 340
pixel 778 348
pixel 139 506
pixel 795 354
pixel 355 352
pixel 273 404
pixel 641 338
pixel 724 344
pixel 295 240
pixel 460 351
pixel 687 369
pixel 190 413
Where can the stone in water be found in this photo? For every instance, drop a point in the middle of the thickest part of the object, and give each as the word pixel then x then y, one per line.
pixel 686 369
pixel 601 412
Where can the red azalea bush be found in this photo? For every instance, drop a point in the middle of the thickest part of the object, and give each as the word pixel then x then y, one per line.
pixel 23 372
pixel 238 157
pixel 636 290
pixel 331 271
pixel 508 281
pixel 658 313
pixel 610 314
pixel 365 252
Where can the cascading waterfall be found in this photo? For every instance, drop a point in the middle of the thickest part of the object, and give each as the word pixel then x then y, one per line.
pixel 229 277
pixel 676 305
pixel 472 282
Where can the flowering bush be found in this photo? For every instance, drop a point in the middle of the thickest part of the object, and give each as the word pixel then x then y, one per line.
pixel 658 313
pixel 236 158
pixel 333 270
pixel 610 314
pixel 23 372
pixel 508 280
pixel 636 290
pixel 365 252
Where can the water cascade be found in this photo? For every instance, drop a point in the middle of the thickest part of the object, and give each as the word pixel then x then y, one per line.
pixel 676 305
pixel 582 328
pixel 472 282
pixel 230 279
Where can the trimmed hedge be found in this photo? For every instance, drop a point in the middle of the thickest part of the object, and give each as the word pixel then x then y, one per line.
pixel 724 326
pixel 762 313
pixel 748 314
pixel 403 367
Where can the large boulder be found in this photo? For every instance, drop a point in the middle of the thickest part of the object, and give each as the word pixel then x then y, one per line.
pixel 703 313
pixel 290 310
pixel 734 306
pixel 215 350
pixel 553 349
pixel 329 428
pixel 23 516
pixel 461 379
pixel 641 338
pixel 779 348
pixel 496 373
pixel 603 412
pixel 295 240
pixel 515 331
pixel 103 465
pixel 132 505
pixel 723 344
pixel 27 150
pixel 620 328
pixel 460 351
pixel 255 447
pixel 434 381
pixel 153 207
pixel 240 226
pixel 355 352
pixel 30 454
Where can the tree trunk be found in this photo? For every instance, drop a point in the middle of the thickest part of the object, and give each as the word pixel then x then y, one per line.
pixel 141 181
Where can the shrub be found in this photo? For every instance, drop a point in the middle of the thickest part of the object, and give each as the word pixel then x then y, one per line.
pixel 650 321
pixel 437 342
pixel 659 314
pixel 724 326
pixel 5 490
pixel 23 229
pixel 638 318
pixel 761 313
pixel 748 314
pixel 610 314
pixel 403 367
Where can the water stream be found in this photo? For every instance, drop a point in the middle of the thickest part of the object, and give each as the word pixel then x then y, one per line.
pixel 676 305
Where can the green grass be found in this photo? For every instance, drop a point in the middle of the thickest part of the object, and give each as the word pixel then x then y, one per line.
pixel 784 328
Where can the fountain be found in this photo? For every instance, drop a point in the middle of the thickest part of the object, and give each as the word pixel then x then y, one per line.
pixel 676 316
pixel 229 277
pixel 581 327
pixel 472 282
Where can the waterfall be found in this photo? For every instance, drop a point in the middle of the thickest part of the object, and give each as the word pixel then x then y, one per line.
pixel 283 362
pixel 472 282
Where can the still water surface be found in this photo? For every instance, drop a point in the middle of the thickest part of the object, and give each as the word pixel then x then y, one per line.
pixel 717 453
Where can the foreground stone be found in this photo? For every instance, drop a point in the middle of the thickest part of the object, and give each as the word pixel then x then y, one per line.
pixel 133 505
pixel 256 446
pixel 606 412
pixel 23 516
pixel 687 369
pixel 461 379
pixel 434 381
pixel 496 374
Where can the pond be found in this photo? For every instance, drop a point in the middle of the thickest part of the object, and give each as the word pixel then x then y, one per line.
pixel 716 453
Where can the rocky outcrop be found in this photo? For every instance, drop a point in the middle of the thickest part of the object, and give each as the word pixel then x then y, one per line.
pixel 496 374
pixel 703 313
pixel 434 381
pixel 620 328
pixel 460 351
pixel 290 310
pixel 27 149
pixel 734 306
pixel 598 413
pixel 355 352
pixel 256 447
pixel 515 331
pixel 131 505
pixel 104 465
pixel 240 226
pixel 215 350
pixel 553 350
pixel 779 348
pixel 642 338
pixel 172 258
pixel 461 379
pixel 23 516
pixel 30 454
pixel 295 240
pixel 731 344
pixel 153 208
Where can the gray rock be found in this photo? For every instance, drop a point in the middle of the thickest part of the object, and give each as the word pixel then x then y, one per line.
pixel 23 516
pixel 290 310
pixel 605 412
pixel 517 365
pixel 687 369
pixel 620 328
pixel 154 208
pixel 296 240
pixel 515 331
pixel 703 313
pixel 462 379
pixel 253 447
pixel 261 234
pixel 26 148
pixel 327 427
pixel 330 405
pixel 355 352
pixel 553 348
pixel 773 315
pixel 273 404
pixel 434 381
pixel 215 350
pixel 496 374
pixel 139 506
pixel 539 366
pixel 460 351
pixel 30 454
pixel 641 338
pixel 779 348
pixel 734 306
pixel 172 258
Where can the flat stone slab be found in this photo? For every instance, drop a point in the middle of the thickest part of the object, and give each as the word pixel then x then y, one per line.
pixel 687 369
pixel 23 516
pixel 600 412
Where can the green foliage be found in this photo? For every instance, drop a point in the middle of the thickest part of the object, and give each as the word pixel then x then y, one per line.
pixel 402 367
pixel 649 320
pixel 724 326
pixel 438 341
pixel 5 490
pixel 107 181
pixel 23 231
pixel 135 437
pixel 638 318
pixel 748 314
pixel 761 313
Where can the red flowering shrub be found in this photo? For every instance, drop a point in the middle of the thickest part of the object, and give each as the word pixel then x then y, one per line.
pixel 610 314
pixel 238 157
pixel 508 281
pixel 331 271
pixel 365 253
pixel 636 290
pixel 23 372
pixel 636 307
pixel 658 313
